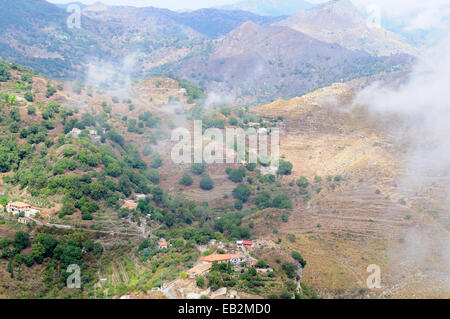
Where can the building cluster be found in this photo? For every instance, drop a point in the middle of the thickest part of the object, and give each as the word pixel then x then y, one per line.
pixel 19 208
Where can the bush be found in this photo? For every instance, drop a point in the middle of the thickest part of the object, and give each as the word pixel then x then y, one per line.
pixel 200 281
pixel 282 201
pixel 302 182
pixel 206 183
pixel 238 204
pixel 297 256
pixel 241 192
pixel 186 180
pixel 289 269
pixel 198 168
pixel 237 175
pixel 156 161
pixel 29 96
pixel 284 168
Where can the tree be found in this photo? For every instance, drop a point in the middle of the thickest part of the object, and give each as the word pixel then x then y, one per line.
pixel 297 256
pixel 31 109
pixel 282 201
pixel 237 175
pixel 158 195
pixel 28 96
pixel 21 240
pixel 169 219
pixel 263 200
pixel 206 183
pixel 302 182
pixel 284 168
pixel 38 252
pixel 238 204
pixel 156 161
pixel 200 281
pixel 241 192
pixel 289 269
pixel 186 180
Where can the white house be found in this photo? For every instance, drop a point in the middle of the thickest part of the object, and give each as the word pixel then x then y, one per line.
pixel 18 207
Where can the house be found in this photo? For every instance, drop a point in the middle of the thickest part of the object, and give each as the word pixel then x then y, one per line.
pixel 248 244
pixel 2 208
pixel 129 204
pixel 24 220
pixel 75 132
pixel 140 196
pixel 18 207
pixel 163 244
pixel 224 258
pixel 212 242
pixel 199 269
pixel 92 132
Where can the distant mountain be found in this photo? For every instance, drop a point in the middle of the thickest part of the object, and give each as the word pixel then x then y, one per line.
pixel 270 7
pixel 66 5
pixel 339 21
pixel 264 62
pixel 215 23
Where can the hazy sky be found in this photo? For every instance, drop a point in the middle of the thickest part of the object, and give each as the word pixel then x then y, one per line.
pixel 417 14
pixel 170 4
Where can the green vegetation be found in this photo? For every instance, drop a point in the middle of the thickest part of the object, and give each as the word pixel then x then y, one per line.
pixel 206 182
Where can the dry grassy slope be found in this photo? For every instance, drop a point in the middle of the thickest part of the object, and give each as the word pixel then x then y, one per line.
pixel 359 220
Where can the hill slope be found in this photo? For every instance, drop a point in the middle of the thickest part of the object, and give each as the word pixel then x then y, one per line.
pixel 267 62
pixel 340 22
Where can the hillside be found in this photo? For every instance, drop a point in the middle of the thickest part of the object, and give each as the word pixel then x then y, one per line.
pixel 260 63
pixel 82 155
pixel 357 208
pixel 340 22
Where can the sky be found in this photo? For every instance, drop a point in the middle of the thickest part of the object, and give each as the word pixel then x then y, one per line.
pixel 415 14
pixel 169 4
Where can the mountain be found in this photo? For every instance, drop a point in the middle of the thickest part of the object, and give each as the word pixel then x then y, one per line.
pixel 270 7
pixel 215 23
pixel 35 33
pixel 66 5
pixel 273 61
pixel 340 22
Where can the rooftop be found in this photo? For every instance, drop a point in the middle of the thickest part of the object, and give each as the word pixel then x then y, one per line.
pixel 220 257
pixel 19 204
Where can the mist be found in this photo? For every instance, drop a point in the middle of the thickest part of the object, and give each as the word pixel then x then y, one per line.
pixel 420 106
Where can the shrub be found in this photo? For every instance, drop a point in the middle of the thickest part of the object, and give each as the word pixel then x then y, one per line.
pixel 156 161
pixel 297 256
pixel 237 175
pixel 29 96
pixel 284 168
pixel 186 180
pixel 31 110
pixel 238 204
pixel 302 182
pixel 282 201
pixel 200 281
pixel 241 192
pixel 206 182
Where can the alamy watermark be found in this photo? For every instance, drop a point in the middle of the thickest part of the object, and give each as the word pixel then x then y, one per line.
pixel 373 16
pixel 374 279
pixel 226 146
pixel 74 280
pixel 74 19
